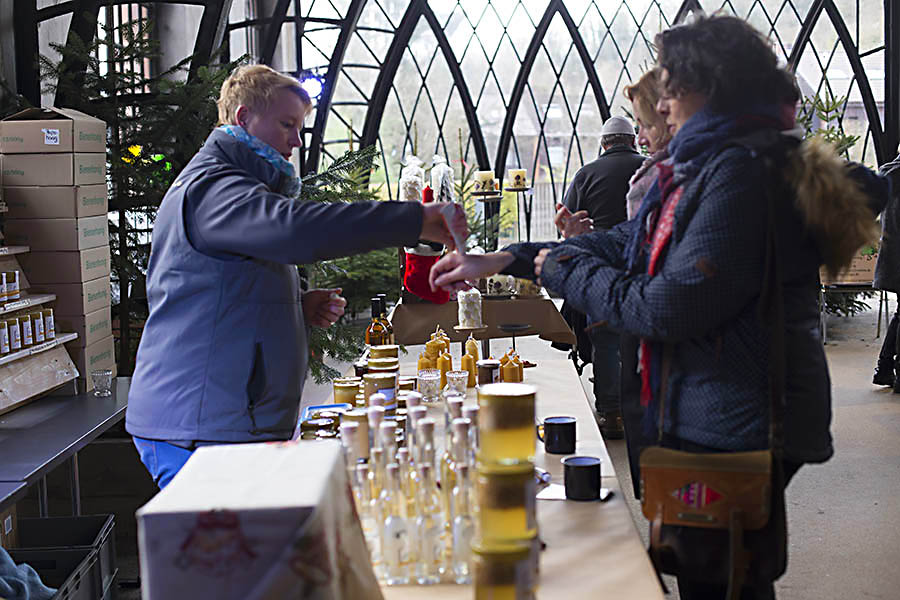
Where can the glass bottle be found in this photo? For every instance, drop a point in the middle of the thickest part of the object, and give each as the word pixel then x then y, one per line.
pixel 453 404
pixel 406 482
pixel 394 529
pixel 455 455
pixel 429 524
pixel 388 435
pixel 463 526
pixel 413 415
pixel 470 412
pixel 376 333
pixel 349 431
pixel 376 472
pixel 389 329
pixel 375 416
pixel 363 495
pixel 426 452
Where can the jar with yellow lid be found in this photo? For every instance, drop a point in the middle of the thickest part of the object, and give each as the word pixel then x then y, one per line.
pixel 384 351
pixel 382 383
pixel 311 428
pixel 345 391
pixel 503 572
pixel 384 365
pixel 506 428
pixel 505 506
pixel 360 417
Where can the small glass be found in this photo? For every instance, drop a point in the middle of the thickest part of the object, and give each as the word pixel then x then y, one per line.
pixel 102 380
pixel 429 383
pixel 457 382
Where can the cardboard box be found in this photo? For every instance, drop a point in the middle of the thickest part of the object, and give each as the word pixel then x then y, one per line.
pixel 90 328
pixel 263 509
pixel 54 169
pixel 66 267
pixel 860 271
pixel 99 355
pixel 47 235
pixel 51 129
pixel 9 528
pixel 63 202
pixel 73 299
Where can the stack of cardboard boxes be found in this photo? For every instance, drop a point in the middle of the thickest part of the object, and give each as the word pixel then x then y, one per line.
pixel 54 184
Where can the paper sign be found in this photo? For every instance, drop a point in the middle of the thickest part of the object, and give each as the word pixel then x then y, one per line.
pixel 51 137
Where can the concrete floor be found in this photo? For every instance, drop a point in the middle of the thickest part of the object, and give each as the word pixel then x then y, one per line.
pixel 844 516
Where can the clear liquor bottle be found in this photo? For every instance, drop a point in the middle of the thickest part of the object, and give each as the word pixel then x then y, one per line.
pixel 471 413
pixel 425 448
pixel 375 416
pixel 413 416
pixel 394 529
pixel 376 473
pixel 463 526
pixel 429 525
pixel 363 495
pixel 455 454
pixel 387 433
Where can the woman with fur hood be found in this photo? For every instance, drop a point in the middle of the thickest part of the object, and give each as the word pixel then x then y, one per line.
pixel 692 273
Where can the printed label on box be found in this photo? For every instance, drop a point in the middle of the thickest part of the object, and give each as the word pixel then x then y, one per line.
pixel 51 137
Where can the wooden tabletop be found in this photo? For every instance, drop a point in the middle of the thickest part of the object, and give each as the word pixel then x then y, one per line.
pixel 593 548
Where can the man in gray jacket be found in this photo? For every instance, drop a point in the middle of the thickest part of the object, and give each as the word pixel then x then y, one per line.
pixel 223 356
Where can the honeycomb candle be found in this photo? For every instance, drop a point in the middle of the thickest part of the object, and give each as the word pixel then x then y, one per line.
pixel 469 308
pixel 517 177
pixel 484 181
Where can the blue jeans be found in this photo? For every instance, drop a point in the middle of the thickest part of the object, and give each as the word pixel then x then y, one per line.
pixel 162 459
pixel 607 369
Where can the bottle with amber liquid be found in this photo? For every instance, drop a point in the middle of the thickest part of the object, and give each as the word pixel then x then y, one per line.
pixel 376 334
pixel 382 315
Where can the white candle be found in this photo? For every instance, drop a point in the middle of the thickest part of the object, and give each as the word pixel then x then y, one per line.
pixel 484 181
pixel 517 177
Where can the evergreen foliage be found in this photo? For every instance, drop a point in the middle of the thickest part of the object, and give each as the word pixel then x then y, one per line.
pixel 829 111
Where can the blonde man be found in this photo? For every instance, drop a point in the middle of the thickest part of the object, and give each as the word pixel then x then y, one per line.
pixel 223 356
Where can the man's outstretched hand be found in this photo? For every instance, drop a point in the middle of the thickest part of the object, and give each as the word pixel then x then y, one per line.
pixel 570 225
pixel 454 271
pixel 321 308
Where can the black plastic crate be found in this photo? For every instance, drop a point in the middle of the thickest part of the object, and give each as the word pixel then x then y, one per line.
pixel 95 532
pixel 75 573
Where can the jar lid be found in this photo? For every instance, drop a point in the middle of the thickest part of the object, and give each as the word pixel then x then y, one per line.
pixel 316 424
pixel 384 351
pixel 514 549
pixel 507 390
pixel 510 470
pixel 488 362
pixel 381 376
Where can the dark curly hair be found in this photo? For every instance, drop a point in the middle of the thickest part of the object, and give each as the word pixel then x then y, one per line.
pixel 725 59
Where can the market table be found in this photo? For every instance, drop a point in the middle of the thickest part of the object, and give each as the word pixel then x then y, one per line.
pixel 40 436
pixel 593 549
pixel 413 323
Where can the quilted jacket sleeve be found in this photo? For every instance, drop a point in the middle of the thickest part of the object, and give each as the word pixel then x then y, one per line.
pixel 711 272
pixel 610 245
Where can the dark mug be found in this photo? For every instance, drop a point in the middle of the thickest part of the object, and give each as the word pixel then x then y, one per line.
pixel 558 435
pixel 582 477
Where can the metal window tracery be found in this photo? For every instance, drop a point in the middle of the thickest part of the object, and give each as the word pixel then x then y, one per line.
pixel 528 82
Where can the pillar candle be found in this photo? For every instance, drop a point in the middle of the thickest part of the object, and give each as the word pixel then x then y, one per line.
pixel 467 363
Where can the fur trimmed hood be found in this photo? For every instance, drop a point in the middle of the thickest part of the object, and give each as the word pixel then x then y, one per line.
pixel 838 200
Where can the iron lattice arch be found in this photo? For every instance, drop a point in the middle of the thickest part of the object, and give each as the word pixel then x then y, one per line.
pixel 527 82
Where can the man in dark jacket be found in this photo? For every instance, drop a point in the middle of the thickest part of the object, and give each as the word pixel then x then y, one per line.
pixel 596 200
pixel 223 356
pixel 887 277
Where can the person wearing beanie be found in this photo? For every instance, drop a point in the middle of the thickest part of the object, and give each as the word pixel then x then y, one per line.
pixel 597 196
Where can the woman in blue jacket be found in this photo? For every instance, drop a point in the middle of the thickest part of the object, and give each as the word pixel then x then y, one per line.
pixel 687 273
pixel 223 355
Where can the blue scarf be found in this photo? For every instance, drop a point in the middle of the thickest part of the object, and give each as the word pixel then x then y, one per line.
pixel 290 183
pixel 698 140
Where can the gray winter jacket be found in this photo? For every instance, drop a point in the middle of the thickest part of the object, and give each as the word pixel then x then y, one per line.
pixel 223 355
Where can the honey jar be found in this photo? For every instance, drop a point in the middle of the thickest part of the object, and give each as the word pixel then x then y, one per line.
pixel 506 503
pixel 507 433
pixel 503 571
pixel 384 351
